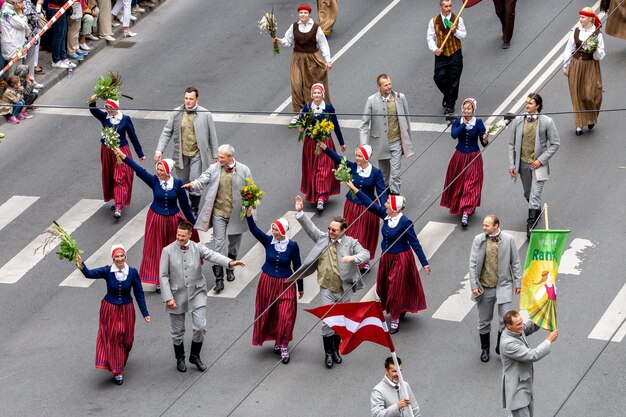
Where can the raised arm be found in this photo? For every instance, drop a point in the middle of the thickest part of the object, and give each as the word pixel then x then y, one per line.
pixel 97 113
pixel 258 233
pixel 371 206
pixel 140 171
pixel 457 128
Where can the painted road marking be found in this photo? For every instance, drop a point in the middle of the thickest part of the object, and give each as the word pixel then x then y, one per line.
pixel 14 206
pixel 574 256
pixel 611 319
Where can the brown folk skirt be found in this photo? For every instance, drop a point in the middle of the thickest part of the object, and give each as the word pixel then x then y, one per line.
pixel 327 12
pixel 585 89
pixel 616 23
pixel 306 70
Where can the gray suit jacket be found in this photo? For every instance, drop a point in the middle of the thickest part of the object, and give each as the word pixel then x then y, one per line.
pixel 181 275
pixel 347 247
pixel 373 130
pixel 517 366
pixel 546 144
pixel 509 266
pixel 211 179
pixel 205 136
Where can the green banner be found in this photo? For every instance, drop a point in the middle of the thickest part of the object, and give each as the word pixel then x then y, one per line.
pixel 539 280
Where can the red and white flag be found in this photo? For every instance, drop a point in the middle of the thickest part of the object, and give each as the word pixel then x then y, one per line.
pixel 471 3
pixel 356 323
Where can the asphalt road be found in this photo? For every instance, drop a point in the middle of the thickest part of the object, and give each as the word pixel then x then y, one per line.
pixel 47 332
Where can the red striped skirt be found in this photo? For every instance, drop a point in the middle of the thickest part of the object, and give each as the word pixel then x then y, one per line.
pixel 318 179
pixel 398 284
pixel 464 194
pixel 117 179
pixel 365 229
pixel 160 231
pixel 278 322
pixel 116 333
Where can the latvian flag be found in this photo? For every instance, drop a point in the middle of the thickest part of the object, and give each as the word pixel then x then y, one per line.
pixel 356 323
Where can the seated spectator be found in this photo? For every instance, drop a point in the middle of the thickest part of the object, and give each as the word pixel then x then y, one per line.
pixel 89 23
pixel 30 92
pixel 12 103
pixel 13 30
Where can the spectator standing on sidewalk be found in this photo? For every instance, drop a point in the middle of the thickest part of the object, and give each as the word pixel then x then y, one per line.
pixel 13 31
pixel 88 23
pixel 105 28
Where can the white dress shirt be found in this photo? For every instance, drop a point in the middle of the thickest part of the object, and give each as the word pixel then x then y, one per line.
pixel 115 120
pixel 322 42
pixel 318 109
pixel 120 274
pixel 392 222
pixel 431 36
pixel 280 245
pixel 167 185
pixel 365 173
pixel 570 48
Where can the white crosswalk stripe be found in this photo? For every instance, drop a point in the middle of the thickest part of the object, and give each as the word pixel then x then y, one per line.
pixel 611 319
pixel 459 304
pixel 21 263
pixel 14 206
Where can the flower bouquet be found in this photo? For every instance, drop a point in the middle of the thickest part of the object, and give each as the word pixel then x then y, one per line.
pixel 342 172
pixel 108 86
pixel 67 248
pixel 250 196
pixel 111 140
pixel 496 127
pixel 321 131
pixel 269 24
pixel 304 121
pixel 590 45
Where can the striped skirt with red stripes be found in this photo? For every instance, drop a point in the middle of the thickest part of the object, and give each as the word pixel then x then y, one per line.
pixel 365 229
pixel 318 180
pixel 116 333
pixel 464 194
pixel 160 231
pixel 398 284
pixel 278 322
pixel 117 179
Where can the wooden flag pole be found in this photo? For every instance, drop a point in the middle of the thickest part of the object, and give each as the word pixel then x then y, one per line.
pixel 403 393
pixel 545 215
pixel 458 16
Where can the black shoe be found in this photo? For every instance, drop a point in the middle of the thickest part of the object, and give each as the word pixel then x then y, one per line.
pixel 117 214
pixel 118 379
pixel 394 326
pixel 365 269
pixel 484 355
pixel 579 131
pixel 113 207
pixel 590 126
pixel 320 206
pixel 230 275
pixel 336 342
pixel 444 103
pixel 328 351
pixel 195 204
pixel 179 352
pixel 194 356
pixel 284 354
pixel 484 346
pixel 219 285
pixel 276 350
pixel 158 289
pixel 506 45
pixel 449 110
pixel 402 315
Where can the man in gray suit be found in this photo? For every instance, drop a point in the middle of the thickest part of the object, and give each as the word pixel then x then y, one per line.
pixel 336 258
pixel 191 128
pixel 386 127
pixel 495 274
pixel 386 400
pixel 517 363
pixel 183 290
pixel 222 207
pixel 533 142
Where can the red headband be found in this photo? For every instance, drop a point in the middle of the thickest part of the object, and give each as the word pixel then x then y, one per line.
pixel 305 7
pixel 117 249
pixel 112 103
pixel 596 19
pixel 364 153
pixel 280 227
pixel 393 200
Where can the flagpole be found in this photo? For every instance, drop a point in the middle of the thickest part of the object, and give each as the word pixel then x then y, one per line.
pixel 458 16
pixel 403 393
pixel 545 215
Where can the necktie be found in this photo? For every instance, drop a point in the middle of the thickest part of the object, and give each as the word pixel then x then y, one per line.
pixel 190 111
pixel 229 169
pixel 446 22
pixel 530 119
pixel 495 238
pixel 185 247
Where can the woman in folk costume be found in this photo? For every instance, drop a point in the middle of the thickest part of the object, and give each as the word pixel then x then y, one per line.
pixel 616 21
pixel 464 178
pixel 398 283
pixel 116 329
pixel 169 199
pixel 310 61
pixel 545 312
pixel 362 224
pixel 117 179
pixel 276 307
pixel 583 52
pixel 318 180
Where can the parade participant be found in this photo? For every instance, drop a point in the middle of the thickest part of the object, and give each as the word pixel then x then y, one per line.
pixel 398 283
pixel 224 180
pixel 505 10
pixel 448 57
pixel 363 225
pixel 117 179
pixel 581 65
pixel 192 130
pixel 183 290
pixel 517 363
pixel 335 257
pixel 116 328
pixel 534 140
pixel 385 398
pixel 311 57
pixel 168 200
pixel 616 22
pixel 495 274
pixel 327 14
pixel 276 307
pixel 318 182
pixel 464 177
pixel 386 127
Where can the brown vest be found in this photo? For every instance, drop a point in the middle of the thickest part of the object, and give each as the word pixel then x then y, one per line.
pixel 453 44
pixel 579 54
pixel 305 42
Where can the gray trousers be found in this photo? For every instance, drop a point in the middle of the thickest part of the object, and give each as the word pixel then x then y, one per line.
pixel 218 244
pixel 391 167
pixel 329 297
pixel 198 324
pixel 524 411
pixel 486 303
pixel 192 170
pixel 532 187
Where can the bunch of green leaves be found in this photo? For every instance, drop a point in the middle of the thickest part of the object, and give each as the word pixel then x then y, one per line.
pixel 342 172
pixel 68 249
pixel 304 121
pixel 108 86
pixel 495 128
pixel 111 140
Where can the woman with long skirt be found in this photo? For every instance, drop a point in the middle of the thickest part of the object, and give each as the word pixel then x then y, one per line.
pixel 117 179
pixel 616 21
pixel 464 178
pixel 116 329
pixel 398 282
pixel 362 224
pixel 581 66
pixel 169 199
pixel 318 180
pixel 273 293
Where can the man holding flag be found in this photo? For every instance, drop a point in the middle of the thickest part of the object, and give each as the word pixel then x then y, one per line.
pixel 386 398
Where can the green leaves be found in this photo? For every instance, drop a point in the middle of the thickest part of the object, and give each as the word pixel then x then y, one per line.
pixel 68 248
pixel 108 86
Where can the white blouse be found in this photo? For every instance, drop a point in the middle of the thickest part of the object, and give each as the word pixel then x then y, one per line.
pixel 583 34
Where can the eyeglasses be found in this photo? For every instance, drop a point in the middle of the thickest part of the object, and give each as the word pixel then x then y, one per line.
pixel 330 229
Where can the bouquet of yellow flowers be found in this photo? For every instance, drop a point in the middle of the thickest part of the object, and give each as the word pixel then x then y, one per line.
pixel 250 196
pixel 321 131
